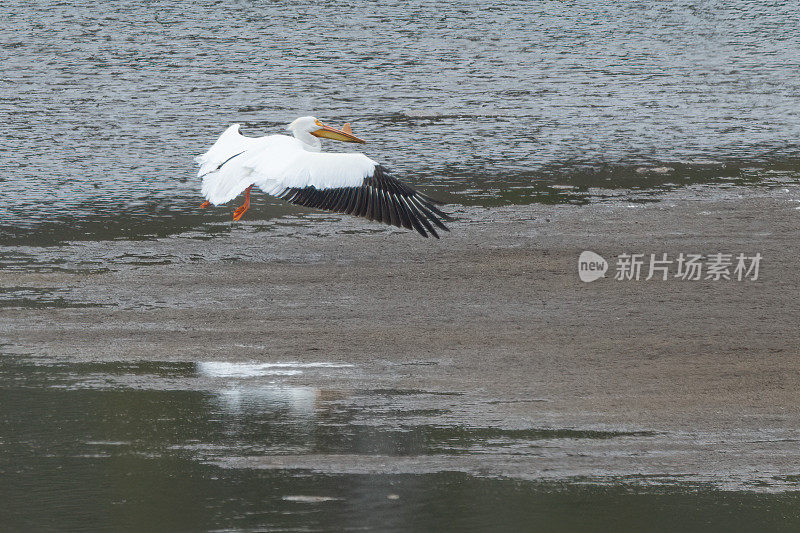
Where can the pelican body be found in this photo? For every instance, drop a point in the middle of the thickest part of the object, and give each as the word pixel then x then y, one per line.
pixel 295 169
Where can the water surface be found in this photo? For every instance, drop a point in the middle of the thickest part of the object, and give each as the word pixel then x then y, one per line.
pixel 104 104
pixel 160 445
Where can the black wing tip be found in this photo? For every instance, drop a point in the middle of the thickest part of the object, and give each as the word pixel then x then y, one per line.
pixel 380 198
pixel 432 213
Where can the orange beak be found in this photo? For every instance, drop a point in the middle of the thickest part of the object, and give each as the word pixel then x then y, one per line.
pixel 345 134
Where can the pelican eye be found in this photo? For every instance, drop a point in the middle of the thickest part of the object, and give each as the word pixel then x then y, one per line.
pixel 318 123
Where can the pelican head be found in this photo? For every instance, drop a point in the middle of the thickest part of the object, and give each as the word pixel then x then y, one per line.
pixel 305 126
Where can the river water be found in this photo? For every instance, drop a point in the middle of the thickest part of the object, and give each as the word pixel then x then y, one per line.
pixel 303 447
pixel 103 105
pixel 484 104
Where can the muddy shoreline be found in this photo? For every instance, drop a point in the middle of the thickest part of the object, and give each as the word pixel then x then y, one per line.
pixel 494 312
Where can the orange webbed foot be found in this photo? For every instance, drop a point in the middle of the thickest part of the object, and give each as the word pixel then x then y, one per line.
pixel 205 204
pixel 239 212
pixel 244 207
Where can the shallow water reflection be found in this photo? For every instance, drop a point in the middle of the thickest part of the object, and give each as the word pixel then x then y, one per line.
pixel 159 445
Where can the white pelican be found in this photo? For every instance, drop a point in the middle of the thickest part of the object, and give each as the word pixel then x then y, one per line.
pixel 295 169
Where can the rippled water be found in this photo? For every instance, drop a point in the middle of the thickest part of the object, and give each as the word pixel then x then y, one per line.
pixel 104 104
pixel 246 447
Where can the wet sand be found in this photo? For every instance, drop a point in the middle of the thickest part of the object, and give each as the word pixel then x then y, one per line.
pixel 710 370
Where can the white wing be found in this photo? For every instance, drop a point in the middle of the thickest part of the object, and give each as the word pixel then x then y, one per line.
pixel 223 178
pixel 230 143
pixel 301 168
pixel 340 182
pixel 347 183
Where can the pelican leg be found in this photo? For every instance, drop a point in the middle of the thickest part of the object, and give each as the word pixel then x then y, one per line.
pixel 245 206
pixel 205 204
